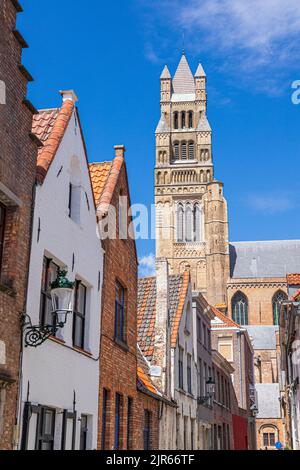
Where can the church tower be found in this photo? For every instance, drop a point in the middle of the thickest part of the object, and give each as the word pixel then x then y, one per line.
pixel 191 212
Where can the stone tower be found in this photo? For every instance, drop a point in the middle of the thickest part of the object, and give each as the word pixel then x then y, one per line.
pixel 191 212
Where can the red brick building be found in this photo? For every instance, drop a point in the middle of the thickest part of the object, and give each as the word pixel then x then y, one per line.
pixel 17 179
pixel 128 401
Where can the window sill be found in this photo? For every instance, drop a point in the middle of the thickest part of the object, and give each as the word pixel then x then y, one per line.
pixel 121 344
pixel 7 290
pixel 82 351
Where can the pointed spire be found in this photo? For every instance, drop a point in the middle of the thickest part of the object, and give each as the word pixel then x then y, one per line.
pixel 162 125
pixel 183 82
pixel 200 72
pixel 165 74
pixel 204 125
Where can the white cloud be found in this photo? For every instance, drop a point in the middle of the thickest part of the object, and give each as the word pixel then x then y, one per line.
pixel 272 203
pixel 147 266
pixel 260 36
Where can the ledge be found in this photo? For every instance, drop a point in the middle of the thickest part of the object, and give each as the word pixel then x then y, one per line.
pixel 121 344
pixel 25 73
pixel 17 6
pixel 7 290
pixel 30 106
pixel 20 39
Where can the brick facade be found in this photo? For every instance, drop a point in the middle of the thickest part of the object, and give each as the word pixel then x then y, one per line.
pixel 17 178
pixel 118 363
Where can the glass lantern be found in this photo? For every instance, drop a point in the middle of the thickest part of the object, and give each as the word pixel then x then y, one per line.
pixel 62 296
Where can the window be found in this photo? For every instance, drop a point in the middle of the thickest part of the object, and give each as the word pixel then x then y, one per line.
pixel 183 119
pixel 118 418
pixel 225 348
pixel 180 223
pixel 46 429
pixel 183 151
pixel 2 230
pixel 180 368
pixel 269 439
pixel 49 274
pixel 277 299
pixel 197 224
pixel 120 313
pixel 191 119
pixel 204 336
pixel 176 120
pixel 74 202
pixel 79 315
pixel 189 373
pixel 199 377
pixel 129 423
pixel 199 329
pixel 188 319
pixel 104 418
pixel 176 150
pixel 188 224
pixel 240 309
pixel 147 430
pixel 83 432
pixel 191 151
pixel 208 339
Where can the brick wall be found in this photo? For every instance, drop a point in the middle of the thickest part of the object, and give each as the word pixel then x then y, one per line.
pixel 118 364
pixel 17 174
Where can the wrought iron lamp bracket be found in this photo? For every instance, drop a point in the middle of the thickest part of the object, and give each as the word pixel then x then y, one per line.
pixel 35 336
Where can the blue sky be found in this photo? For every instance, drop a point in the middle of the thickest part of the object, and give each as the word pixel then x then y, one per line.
pixel 112 54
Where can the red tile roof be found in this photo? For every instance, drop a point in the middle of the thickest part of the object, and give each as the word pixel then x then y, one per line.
pixel 178 288
pixel 293 279
pixel 225 320
pixel 143 375
pixel 104 178
pixel 49 127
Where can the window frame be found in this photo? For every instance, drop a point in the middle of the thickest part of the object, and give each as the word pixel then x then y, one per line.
pixel 189 374
pixel 118 421
pixel 79 315
pixel 84 432
pixel 276 299
pixel 41 436
pixel 130 409
pixel 105 403
pixel 45 293
pixel 120 313
pixel 147 430
pixel 180 368
pixel 240 317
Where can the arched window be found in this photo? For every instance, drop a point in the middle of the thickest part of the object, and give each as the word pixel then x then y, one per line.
pixel 183 119
pixel 180 223
pixel 198 236
pixel 191 119
pixel 191 151
pixel 240 309
pixel 276 302
pixel 176 120
pixel 176 150
pixel 188 224
pixel 183 151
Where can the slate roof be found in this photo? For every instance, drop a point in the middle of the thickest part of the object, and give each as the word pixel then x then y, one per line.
pixel 264 259
pixel 49 126
pixel 162 125
pixel 183 81
pixel 263 336
pixel 147 292
pixel 204 125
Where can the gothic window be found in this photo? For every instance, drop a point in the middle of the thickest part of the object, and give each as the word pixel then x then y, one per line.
pixel 197 223
pixel 183 151
pixel 240 309
pixel 277 299
pixel 176 120
pixel 188 224
pixel 208 176
pixel 191 119
pixel 176 150
pixel 191 151
pixel 183 120
pixel 180 223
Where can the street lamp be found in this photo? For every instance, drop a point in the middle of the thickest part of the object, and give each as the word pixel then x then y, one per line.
pixel 210 392
pixel 62 300
pixel 254 410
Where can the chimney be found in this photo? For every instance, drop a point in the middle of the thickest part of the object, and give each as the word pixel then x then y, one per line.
pixel 69 95
pixel 120 151
pixel 160 362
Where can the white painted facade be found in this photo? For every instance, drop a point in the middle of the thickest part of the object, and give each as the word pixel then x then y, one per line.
pixel 186 418
pixel 56 373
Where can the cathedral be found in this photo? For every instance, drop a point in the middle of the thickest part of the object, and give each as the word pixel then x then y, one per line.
pixel 246 280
